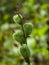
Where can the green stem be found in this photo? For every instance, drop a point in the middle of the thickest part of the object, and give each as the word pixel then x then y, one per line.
pixel 26 59
pixel 23 29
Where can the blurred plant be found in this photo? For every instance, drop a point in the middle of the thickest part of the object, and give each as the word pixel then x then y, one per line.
pixel 22 35
pixel 31 32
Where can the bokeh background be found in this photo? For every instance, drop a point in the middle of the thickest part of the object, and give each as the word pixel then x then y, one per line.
pixel 34 11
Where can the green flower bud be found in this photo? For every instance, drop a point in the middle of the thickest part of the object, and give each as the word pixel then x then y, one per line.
pixel 28 28
pixel 19 36
pixel 25 51
pixel 17 18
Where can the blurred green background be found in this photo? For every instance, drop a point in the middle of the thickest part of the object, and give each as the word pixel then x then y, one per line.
pixel 34 11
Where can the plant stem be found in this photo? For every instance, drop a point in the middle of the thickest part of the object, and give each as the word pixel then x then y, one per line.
pixel 26 59
pixel 23 29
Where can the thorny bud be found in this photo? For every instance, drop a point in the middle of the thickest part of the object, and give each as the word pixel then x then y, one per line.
pixel 19 36
pixel 25 51
pixel 17 19
pixel 28 28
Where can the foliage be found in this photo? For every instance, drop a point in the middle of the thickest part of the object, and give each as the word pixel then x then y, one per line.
pixel 33 12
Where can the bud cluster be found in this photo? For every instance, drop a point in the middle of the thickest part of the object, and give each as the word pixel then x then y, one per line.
pixel 21 36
